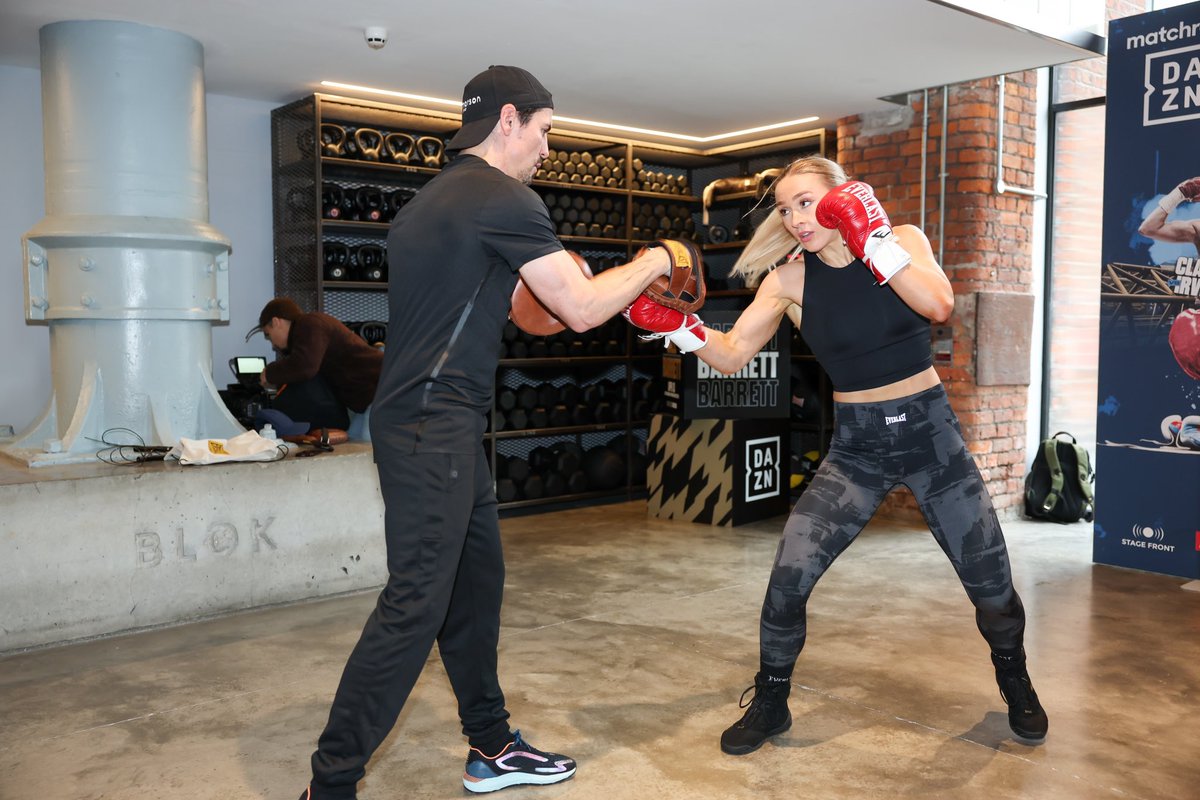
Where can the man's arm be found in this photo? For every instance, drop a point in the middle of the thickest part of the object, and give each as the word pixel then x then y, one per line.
pixel 1155 225
pixel 584 303
pixel 306 350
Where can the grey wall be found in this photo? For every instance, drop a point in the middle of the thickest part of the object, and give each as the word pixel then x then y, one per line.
pixel 239 190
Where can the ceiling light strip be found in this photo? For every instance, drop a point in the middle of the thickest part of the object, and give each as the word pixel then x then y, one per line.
pixel 389 93
pixel 683 137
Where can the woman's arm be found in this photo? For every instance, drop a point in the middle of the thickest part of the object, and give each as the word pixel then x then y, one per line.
pixel 729 351
pixel 922 284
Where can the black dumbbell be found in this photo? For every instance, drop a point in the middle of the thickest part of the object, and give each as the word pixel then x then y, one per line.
pixel 541 460
pixel 567 457
pixel 527 397
pixel 560 415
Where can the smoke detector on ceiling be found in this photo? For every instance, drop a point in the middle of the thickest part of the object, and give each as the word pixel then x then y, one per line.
pixel 376 37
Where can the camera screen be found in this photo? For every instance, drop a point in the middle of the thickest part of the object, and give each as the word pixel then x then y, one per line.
pixel 250 365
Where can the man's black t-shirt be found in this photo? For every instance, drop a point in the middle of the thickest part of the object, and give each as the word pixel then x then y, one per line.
pixel 453 255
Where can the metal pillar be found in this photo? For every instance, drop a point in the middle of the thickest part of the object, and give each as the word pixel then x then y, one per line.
pixel 124 269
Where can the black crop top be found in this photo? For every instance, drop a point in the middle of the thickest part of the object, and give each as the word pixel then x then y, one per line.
pixel 863 335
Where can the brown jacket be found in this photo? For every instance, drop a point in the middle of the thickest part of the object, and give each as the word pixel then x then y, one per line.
pixel 319 343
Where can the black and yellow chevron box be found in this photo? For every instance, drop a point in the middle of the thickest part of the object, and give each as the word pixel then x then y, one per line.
pixel 717 471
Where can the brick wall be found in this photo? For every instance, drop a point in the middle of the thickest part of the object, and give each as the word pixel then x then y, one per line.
pixel 986 240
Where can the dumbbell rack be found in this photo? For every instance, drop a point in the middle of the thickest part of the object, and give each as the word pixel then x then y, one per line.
pixel 608 196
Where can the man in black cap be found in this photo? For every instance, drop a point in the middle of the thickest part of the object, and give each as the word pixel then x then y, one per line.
pixel 455 252
pixel 323 367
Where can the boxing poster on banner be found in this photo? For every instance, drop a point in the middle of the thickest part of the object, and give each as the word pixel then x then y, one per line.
pixel 1148 420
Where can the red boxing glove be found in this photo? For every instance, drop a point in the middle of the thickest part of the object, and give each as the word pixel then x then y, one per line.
pixel 685 331
pixel 1186 192
pixel 854 211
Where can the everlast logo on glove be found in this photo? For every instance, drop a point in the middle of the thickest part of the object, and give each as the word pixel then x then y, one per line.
pixel 867 196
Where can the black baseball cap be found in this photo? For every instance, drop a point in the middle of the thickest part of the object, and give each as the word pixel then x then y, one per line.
pixel 487 93
pixel 282 307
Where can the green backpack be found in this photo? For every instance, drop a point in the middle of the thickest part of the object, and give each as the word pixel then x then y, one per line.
pixel 1059 484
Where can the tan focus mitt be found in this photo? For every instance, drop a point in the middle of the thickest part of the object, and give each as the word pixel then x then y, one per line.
pixel 683 288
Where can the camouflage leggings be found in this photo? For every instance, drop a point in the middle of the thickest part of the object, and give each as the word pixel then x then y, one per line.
pixel 915 441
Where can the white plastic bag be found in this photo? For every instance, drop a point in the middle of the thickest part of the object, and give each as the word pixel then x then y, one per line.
pixel 248 446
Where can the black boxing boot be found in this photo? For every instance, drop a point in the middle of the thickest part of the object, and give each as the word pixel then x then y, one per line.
pixel 1026 716
pixel 766 715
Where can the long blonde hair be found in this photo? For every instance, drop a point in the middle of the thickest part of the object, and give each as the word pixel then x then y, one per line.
pixel 771 240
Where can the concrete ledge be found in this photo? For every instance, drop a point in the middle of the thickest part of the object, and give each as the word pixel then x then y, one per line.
pixel 96 550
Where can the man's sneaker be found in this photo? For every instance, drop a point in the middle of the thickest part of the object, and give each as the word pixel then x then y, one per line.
pixel 767 715
pixel 1026 716
pixel 518 763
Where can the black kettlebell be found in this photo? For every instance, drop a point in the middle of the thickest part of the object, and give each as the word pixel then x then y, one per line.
pixel 397 199
pixel 368 200
pixel 332 198
pixel 337 261
pixel 371 263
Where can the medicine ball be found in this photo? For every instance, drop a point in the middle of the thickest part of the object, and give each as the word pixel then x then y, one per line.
pixel 605 469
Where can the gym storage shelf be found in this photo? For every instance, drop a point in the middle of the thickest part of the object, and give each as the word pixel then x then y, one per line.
pixel 303 172
pixel 569 430
pixel 366 286
pixel 352 165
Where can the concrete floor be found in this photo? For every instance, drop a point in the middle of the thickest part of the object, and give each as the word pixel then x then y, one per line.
pixel 627 641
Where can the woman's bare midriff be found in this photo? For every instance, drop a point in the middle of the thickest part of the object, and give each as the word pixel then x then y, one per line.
pixel 926 379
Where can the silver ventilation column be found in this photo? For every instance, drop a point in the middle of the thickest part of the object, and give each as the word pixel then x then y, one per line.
pixel 124 269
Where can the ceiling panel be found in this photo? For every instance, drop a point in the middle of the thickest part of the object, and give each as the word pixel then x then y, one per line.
pixel 699 67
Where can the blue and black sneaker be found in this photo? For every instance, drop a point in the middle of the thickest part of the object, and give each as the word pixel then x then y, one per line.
pixel 517 764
